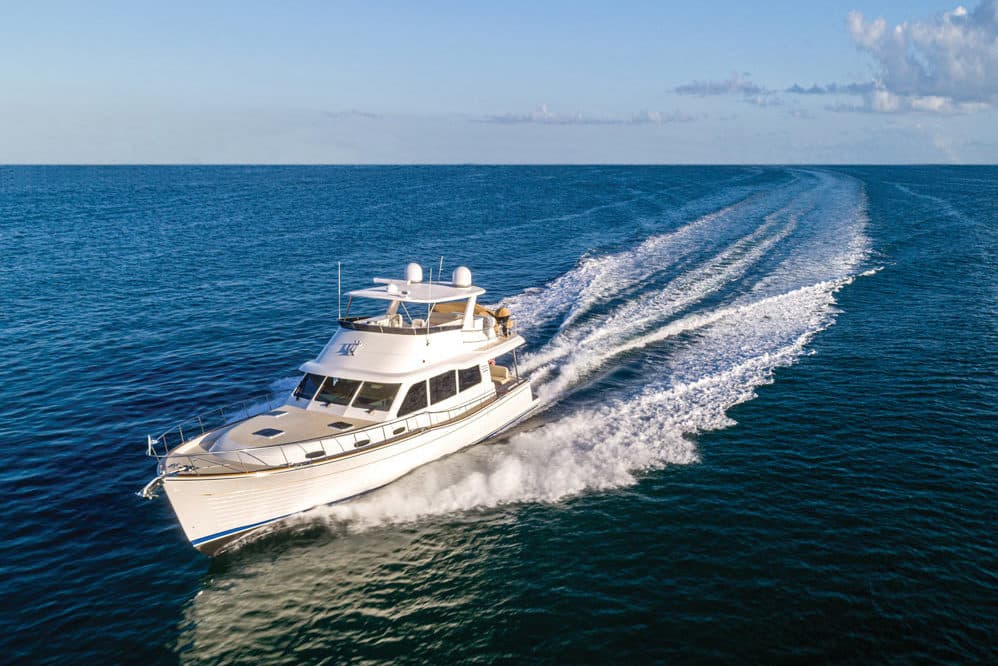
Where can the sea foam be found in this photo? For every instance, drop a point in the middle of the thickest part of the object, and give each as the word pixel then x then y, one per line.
pixel 735 326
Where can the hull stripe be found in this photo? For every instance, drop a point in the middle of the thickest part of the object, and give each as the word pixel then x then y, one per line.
pixel 218 535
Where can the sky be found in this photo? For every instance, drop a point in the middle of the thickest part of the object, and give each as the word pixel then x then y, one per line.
pixel 859 81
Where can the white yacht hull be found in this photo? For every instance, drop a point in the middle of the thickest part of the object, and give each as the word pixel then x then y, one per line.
pixel 215 510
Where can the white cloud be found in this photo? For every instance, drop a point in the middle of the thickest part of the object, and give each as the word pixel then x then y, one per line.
pixel 881 100
pixel 544 116
pixel 764 100
pixel 352 113
pixel 736 84
pixel 659 118
pixel 944 64
pixel 833 89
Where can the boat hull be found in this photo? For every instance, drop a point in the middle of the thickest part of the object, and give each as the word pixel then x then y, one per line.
pixel 216 510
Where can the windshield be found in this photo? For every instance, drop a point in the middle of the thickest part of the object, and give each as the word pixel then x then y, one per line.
pixel 374 395
pixel 336 391
pixel 308 386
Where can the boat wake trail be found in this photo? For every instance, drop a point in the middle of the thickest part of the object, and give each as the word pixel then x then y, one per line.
pixel 652 346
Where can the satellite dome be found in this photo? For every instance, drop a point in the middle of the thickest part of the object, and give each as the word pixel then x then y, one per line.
pixel 413 273
pixel 461 277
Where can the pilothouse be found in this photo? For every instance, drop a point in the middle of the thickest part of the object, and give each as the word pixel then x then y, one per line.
pixel 431 372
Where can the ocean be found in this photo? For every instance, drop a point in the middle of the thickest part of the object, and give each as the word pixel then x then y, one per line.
pixel 767 435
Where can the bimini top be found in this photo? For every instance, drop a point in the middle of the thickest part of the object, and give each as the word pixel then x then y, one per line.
pixel 414 290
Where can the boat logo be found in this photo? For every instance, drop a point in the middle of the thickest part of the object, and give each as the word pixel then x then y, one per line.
pixel 349 348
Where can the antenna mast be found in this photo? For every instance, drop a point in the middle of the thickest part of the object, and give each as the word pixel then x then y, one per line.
pixel 339 293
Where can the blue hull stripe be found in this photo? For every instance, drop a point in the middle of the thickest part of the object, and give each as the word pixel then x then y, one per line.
pixel 218 535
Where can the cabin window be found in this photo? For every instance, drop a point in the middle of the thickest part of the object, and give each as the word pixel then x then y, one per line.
pixel 337 391
pixel 468 377
pixel 308 385
pixel 414 399
pixel 442 386
pixel 374 395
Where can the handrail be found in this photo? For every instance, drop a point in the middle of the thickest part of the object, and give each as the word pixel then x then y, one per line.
pixel 199 424
pixel 291 454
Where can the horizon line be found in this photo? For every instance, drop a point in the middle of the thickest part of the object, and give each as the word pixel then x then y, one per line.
pixel 483 164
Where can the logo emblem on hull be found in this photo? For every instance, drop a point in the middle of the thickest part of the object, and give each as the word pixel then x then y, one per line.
pixel 349 348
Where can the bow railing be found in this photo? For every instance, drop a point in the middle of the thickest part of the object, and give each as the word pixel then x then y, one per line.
pixel 195 426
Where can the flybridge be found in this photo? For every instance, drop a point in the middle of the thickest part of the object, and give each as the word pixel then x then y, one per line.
pixel 413 290
pixel 450 306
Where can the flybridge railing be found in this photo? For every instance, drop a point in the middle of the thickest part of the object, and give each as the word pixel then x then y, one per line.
pixel 294 454
pixel 358 324
pixel 196 426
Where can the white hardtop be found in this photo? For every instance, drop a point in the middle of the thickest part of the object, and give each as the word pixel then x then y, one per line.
pixel 416 292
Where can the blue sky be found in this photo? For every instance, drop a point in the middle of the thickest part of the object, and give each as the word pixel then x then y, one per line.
pixel 514 82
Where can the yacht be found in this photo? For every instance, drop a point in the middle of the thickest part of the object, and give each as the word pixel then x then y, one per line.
pixel 428 371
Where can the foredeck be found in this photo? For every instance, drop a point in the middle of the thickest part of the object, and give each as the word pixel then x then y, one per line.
pixel 283 425
pixel 199 457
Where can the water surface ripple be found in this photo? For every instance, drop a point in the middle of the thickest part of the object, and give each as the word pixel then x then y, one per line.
pixel 768 427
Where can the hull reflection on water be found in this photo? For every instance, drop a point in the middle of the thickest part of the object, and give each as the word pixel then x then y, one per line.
pixel 316 591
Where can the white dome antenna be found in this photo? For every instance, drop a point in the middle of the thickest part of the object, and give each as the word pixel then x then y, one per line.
pixel 461 277
pixel 413 273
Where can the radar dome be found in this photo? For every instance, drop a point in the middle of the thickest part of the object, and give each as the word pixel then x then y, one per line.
pixel 461 277
pixel 413 273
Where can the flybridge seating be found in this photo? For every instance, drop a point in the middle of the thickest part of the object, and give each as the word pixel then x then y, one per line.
pixel 449 306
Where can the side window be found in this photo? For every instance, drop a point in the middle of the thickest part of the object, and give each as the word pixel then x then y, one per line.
pixel 308 386
pixel 442 387
pixel 414 399
pixel 468 377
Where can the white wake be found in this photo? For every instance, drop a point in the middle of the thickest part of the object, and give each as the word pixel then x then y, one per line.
pixel 731 318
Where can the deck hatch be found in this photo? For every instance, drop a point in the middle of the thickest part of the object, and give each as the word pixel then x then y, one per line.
pixel 339 425
pixel 269 433
pixel 276 413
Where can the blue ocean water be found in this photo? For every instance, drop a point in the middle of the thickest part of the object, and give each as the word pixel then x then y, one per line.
pixel 768 428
